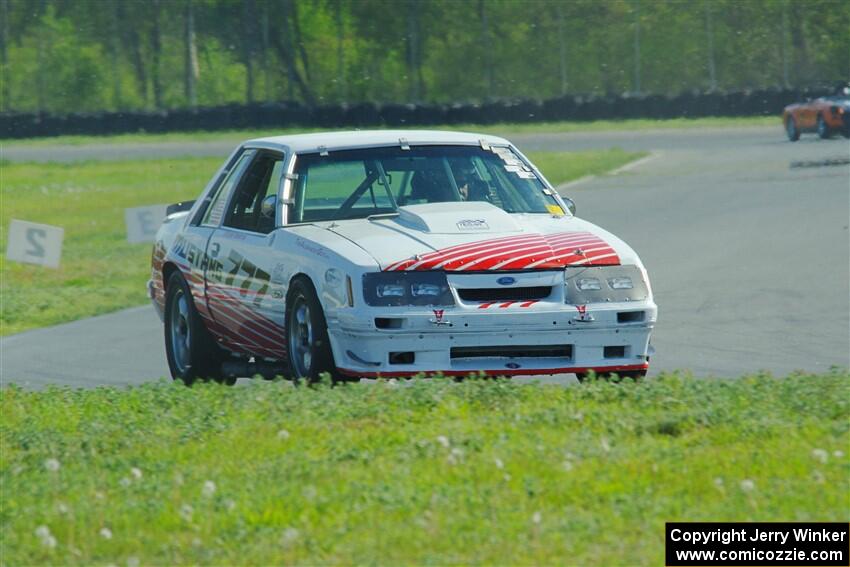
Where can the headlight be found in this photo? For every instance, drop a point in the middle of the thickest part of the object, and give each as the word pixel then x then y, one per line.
pixel 407 288
pixel 601 284
pixel 620 282
pixel 588 284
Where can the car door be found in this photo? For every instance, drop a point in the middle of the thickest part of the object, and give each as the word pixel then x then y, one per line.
pixel 249 315
pixel 189 251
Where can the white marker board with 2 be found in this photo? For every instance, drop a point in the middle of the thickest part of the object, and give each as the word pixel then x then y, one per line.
pixel 33 243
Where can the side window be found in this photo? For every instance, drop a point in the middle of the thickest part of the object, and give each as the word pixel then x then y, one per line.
pixel 260 180
pixel 215 211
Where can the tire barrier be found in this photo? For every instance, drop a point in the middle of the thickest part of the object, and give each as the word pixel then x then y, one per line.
pixel 266 116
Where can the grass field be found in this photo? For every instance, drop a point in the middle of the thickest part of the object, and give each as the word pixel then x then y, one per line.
pixel 100 271
pixel 504 129
pixel 431 472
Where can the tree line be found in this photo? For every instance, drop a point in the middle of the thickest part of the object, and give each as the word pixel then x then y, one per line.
pixel 92 55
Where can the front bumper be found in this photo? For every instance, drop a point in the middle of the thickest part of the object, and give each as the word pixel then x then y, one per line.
pixel 541 339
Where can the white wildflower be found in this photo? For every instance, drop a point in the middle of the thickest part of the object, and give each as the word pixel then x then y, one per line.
pixel 605 445
pixel 820 455
pixel 105 533
pixel 718 482
pixel 125 482
pixel 748 485
pixel 186 512
pixel 499 464
pixel 132 561
pixel 838 454
pixel 62 508
pixel 283 434
pixel 309 492
pixel 443 440
pixel 52 465
pixel 47 539
pixel 568 466
pixel 136 473
pixel 42 532
pixel 230 505
pixel 209 489
pixel 99 495
pixel 536 518
pixel 289 536
pixel 455 456
pixel 507 477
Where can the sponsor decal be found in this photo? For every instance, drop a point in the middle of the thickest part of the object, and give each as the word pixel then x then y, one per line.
pixel 473 224
pixel 310 247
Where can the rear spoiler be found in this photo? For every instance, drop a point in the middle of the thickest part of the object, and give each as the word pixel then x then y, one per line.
pixel 178 207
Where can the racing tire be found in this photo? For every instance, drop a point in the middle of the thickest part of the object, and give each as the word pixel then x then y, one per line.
pixel 636 375
pixel 190 349
pixel 824 132
pixel 308 346
pixel 791 129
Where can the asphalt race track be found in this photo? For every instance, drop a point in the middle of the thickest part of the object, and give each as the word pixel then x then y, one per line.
pixel 749 257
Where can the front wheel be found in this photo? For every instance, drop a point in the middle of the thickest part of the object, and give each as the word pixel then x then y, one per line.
pixel 791 129
pixel 308 346
pixel 191 352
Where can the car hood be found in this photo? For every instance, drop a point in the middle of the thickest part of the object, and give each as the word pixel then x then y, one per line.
pixel 477 236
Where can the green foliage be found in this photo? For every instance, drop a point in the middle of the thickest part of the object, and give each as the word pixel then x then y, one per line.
pixel 100 271
pixel 103 54
pixel 426 472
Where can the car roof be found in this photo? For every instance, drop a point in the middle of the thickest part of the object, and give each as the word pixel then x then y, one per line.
pixel 306 143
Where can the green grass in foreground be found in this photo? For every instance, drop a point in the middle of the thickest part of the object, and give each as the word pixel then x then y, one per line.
pixel 504 129
pixel 100 271
pixel 438 472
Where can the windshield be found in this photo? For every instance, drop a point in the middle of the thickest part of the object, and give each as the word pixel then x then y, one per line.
pixel 359 183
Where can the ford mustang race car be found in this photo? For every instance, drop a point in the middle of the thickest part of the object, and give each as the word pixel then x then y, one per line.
pixel 393 253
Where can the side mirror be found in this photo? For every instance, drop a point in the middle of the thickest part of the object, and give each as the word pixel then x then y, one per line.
pixel 178 207
pixel 571 205
pixel 267 208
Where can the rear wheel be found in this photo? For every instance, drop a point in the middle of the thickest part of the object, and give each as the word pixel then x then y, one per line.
pixel 308 346
pixel 823 128
pixel 191 352
pixel 791 129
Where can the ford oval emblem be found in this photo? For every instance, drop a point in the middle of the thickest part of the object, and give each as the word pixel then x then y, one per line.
pixel 507 280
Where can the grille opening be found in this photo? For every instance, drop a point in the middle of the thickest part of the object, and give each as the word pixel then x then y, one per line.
pixel 402 357
pixel 614 352
pixel 388 322
pixel 505 293
pixel 514 351
pixel 630 316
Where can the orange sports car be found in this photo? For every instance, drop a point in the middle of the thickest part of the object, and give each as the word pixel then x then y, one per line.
pixel 827 116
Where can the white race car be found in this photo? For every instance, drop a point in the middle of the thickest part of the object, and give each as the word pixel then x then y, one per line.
pixel 393 253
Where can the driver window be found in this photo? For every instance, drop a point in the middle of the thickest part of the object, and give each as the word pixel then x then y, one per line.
pixel 260 180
